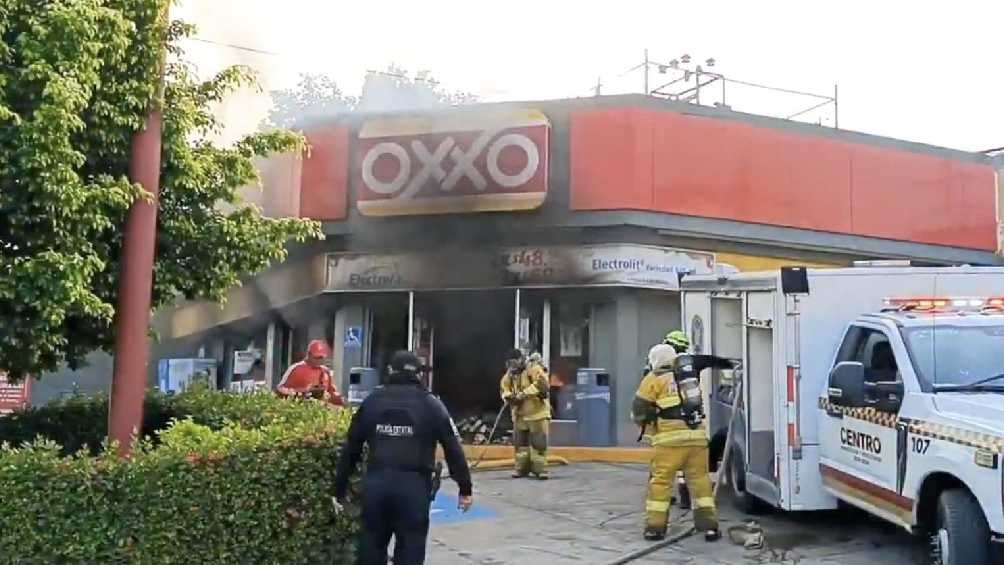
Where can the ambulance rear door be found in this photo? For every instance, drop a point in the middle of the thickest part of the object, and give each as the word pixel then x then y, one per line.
pixel 760 394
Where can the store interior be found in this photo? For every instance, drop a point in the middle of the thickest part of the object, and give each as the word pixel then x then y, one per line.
pixel 464 337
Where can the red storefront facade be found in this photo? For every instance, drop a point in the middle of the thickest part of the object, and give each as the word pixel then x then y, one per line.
pixel 634 154
pixel 562 227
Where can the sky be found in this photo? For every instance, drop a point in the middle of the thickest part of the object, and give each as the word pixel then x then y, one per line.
pixel 923 70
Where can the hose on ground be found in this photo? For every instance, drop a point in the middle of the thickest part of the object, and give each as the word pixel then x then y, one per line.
pixel 635 555
pixel 496 464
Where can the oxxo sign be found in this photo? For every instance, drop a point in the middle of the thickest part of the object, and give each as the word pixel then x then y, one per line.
pixel 456 164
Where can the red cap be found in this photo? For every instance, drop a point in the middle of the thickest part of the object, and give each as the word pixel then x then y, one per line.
pixel 318 348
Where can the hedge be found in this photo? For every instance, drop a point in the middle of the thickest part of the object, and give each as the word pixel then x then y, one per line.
pixel 81 421
pixel 237 479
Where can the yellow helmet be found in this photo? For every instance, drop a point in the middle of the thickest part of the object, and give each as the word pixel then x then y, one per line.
pixel 678 339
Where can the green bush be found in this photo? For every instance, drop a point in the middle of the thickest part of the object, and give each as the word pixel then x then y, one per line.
pixel 80 421
pixel 240 479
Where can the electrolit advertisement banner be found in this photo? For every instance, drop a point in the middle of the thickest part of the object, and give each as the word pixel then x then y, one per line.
pixel 588 265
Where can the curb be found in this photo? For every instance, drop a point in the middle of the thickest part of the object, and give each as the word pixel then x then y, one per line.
pixel 571 454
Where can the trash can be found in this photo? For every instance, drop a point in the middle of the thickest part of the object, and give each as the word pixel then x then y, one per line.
pixel 593 407
pixel 362 381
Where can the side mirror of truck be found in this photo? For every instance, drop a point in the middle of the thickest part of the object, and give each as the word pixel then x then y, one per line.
pixel 886 396
pixel 847 385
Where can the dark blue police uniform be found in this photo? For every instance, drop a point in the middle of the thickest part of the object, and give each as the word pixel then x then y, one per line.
pixel 402 424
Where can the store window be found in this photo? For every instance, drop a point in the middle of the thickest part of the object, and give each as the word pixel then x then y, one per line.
pixel 246 358
pixel 283 351
pixel 297 344
pixel 569 339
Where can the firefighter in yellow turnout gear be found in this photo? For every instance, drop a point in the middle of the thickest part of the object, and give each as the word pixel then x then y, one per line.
pixel 525 388
pixel 679 444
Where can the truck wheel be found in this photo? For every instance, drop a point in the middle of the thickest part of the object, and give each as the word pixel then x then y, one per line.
pixel 743 500
pixel 961 535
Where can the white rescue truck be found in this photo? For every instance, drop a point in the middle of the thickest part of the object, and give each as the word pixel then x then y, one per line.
pixel 882 387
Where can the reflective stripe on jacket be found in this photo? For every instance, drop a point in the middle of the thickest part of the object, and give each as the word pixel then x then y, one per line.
pixel 659 389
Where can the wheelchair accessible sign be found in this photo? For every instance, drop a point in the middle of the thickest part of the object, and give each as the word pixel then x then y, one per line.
pixel 353 337
pixel 444 511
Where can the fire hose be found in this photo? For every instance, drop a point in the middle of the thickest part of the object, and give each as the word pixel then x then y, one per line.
pixel 736 403
pixel 488 442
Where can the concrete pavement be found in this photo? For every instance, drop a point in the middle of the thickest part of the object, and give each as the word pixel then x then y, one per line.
pixel 592 513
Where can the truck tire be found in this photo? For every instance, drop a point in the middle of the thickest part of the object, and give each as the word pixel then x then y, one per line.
pixel 961 534
pixel 743 500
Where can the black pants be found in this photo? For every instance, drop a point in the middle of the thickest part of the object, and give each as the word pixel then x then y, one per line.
pixel 394 503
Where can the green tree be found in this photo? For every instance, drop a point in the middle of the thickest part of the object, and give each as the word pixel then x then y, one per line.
pixel 318 97
pixel 76 80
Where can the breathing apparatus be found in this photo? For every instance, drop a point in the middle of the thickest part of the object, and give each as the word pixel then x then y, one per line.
pixel 687 372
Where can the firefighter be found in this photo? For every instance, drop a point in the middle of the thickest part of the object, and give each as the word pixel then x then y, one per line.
pixel 674 425
pixel 401 423
pixel 311 376
pixel 525 388
pixel 681 344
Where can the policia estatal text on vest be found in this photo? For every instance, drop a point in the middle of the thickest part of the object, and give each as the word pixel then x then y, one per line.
pixel 401 423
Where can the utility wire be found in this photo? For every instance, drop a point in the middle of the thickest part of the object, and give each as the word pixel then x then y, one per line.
pixel 237 47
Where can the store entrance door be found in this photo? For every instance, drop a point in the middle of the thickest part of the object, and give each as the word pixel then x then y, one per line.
pixel 533 335
pixel 464 337
pixel 423 336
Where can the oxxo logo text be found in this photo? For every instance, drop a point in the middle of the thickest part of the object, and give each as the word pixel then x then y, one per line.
pixel 450 166
pixel 429 164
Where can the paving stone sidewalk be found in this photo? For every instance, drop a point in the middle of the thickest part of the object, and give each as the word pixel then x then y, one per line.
pixel 592 513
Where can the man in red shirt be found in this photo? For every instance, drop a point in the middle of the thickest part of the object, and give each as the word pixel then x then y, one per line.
pixel 311 375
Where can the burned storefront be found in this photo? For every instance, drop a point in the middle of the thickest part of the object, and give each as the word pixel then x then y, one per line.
pixel 463 309
pixel 562 228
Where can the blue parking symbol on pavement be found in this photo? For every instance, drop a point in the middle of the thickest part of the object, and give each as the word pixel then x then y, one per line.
pixel 444 511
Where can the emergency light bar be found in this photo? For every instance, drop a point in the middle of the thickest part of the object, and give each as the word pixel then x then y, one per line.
pixel 946 303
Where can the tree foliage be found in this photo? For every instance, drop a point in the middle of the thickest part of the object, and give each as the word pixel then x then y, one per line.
pixel 77 78
pixel 317 97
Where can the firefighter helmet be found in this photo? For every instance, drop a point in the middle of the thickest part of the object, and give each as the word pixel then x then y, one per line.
pixel 678 340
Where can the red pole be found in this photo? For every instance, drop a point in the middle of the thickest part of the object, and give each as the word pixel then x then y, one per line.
pixel 132 322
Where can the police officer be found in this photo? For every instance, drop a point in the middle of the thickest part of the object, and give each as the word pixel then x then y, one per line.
pixel 678 436
pixel 526 389
pixel 401 423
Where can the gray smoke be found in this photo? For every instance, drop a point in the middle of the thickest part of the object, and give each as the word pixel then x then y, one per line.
pixel 233 32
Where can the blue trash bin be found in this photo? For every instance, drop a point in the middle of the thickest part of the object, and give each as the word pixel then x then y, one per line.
pixel 362 381
pixel 593 407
